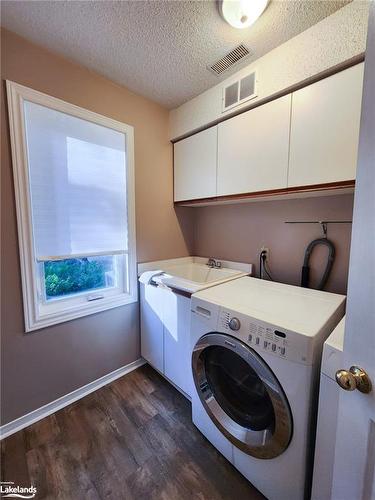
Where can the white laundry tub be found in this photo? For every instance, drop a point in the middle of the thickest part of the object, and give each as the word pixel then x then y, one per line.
pixel 190 274
pixel 165 290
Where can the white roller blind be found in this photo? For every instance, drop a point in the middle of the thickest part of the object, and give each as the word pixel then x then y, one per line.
pixel 77 172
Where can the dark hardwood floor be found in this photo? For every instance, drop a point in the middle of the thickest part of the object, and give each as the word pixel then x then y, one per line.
pixel 133 439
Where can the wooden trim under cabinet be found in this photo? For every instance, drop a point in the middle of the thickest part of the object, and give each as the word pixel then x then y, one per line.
pixel 297 191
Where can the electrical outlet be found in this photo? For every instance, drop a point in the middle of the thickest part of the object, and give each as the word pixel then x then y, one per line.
pixel 267 251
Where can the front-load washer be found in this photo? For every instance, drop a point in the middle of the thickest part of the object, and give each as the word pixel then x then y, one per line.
pixel 256 349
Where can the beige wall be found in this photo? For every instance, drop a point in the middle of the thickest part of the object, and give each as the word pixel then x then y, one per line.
pixel 237 232
pixel 40 367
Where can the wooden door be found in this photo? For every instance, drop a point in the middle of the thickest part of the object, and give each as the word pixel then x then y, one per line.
pixel 354 468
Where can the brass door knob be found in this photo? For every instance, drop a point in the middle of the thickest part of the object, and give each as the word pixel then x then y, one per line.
pixel 355 378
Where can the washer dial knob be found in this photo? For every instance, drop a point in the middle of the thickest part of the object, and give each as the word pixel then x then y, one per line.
pixel 234 324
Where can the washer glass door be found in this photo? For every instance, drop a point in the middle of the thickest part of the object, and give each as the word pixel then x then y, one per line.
pixel 242 395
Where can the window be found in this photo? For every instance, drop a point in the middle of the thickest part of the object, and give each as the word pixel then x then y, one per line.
pixel 74 186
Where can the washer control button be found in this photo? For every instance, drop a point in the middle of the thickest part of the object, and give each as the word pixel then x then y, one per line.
pixel 265 344
pixel 250 337
pixel 257 340
pixel 234 324
pixel 282 350
pixel 274 347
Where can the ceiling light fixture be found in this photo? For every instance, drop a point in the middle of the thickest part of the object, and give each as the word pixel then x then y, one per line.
pixel 242 13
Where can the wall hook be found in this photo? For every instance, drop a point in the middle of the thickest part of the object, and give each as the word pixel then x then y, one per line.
pixel 324 228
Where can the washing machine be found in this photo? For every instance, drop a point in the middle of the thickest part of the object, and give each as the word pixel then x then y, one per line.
pixel 256 347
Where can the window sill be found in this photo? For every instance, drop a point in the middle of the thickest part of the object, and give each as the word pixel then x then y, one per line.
pixel 43 321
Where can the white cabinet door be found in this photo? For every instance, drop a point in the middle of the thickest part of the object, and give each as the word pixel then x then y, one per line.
pixel 253 149
pixel 325 129
pixel 152 328
pixel 165 334
pixel 195 164
pixel 177 362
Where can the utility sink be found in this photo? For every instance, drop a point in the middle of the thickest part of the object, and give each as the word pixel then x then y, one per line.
pixel 192 274
pixel 165 290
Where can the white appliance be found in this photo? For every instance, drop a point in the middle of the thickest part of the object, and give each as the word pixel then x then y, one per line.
pixel 256 348
pixel 327 414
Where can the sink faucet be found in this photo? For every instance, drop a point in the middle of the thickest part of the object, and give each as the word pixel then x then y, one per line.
pixel 213 263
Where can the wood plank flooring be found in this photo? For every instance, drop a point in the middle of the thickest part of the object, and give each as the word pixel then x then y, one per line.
pixel 132 440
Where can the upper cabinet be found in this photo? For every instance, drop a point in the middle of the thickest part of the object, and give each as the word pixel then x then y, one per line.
pixel 195 163
pixel 325 129
pixel 304 141
pixel 253 149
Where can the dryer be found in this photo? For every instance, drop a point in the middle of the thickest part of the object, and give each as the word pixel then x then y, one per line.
pixel 328 407
pixel 256 348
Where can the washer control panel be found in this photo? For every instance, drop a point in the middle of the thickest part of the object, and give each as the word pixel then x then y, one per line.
pixel 265 337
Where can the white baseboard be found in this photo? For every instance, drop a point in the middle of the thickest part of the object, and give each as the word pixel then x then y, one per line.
pixel 35 415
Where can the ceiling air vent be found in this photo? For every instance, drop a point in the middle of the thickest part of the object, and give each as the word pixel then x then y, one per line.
pixel 239 91
pixel 230 59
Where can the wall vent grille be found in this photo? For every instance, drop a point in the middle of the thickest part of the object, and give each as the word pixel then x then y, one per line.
pixel 239 91
pixel 230 59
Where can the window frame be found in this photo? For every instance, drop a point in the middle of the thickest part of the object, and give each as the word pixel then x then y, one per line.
pixel 34 315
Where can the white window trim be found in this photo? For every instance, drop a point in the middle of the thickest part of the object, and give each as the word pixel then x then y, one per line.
pixel 33 319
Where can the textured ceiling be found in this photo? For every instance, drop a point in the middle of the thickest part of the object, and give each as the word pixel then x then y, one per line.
pixel 159 49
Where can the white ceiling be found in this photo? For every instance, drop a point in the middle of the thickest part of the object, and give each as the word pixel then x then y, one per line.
pixel 158 48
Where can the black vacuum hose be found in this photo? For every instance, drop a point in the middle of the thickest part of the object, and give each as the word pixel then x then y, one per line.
pixel 305 278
